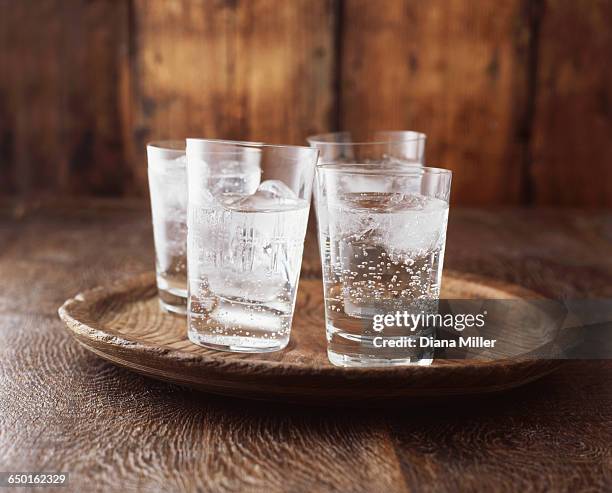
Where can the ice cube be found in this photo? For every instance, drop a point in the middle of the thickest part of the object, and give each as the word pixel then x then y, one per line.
pixel 270 195
pixel 416 224
pixel 180 161
pixel 258 284
pixel 234 177
pixel 277 188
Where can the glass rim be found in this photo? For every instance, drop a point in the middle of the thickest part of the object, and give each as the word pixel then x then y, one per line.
pixel 410 169
pixel 244 144
pixel 411 136
pixel 168 145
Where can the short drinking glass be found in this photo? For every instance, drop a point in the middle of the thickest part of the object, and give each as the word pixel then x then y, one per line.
pixel 245 241
pixel 167 169
pixel 382 233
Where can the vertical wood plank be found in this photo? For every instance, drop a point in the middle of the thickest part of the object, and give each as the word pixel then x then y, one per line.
pixel 256 69
pixel 455 69
pixel 96 43
pixel 572 132
pixel 30 95
pixel 58 96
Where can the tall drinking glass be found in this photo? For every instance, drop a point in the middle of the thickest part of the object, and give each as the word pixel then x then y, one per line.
pixel 245 241
pixel 167 169
pixel 382 147
pixel 382 233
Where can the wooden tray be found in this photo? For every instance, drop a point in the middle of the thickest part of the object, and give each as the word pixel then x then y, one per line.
pixel 123 324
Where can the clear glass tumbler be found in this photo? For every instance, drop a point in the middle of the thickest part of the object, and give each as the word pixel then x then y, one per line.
pixel 397 147
pixel 167 169
pixel 245 241
pixel 382 233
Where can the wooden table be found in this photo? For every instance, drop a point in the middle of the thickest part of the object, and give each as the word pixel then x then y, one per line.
pixel 63 409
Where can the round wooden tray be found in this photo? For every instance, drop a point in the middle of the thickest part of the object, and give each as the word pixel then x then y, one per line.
pixel 123 324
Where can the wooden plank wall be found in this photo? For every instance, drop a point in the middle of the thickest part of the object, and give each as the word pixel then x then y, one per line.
pixel 515 95
pixel 572 126
pixel 256 70
pixel 60 63
pixel 455 69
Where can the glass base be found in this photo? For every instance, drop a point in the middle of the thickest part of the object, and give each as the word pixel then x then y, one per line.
pixel 172 303
pixel 355 349
pixel 236 344
pixel 238 325
pixel 364 360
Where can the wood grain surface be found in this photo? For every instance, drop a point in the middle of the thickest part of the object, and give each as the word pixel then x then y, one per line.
pixel 255 70
pixel 564 148
pixel 62 408
pixel 455 70
pixel 123 323
pixel 60 103
pixel 514 95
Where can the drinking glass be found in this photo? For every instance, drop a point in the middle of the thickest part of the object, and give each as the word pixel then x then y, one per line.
pixel 383 147
pixel 167 170
pixel 245 241
pixel 382 233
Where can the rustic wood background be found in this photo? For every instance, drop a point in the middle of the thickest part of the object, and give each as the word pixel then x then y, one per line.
pixel 515 95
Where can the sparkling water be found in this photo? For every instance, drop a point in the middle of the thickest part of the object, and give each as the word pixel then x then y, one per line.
pixel 168 187
pixel 168 184
pixel 245 254
pixel 382 252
